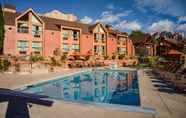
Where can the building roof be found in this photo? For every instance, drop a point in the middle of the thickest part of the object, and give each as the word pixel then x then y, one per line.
pixel 55 24
pixel 50 23
pixel 9 17
pixel 142 39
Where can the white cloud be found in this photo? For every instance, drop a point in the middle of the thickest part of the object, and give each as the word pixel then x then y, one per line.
pixel 181 19
pixel 162 25
pixel 181 27
pixel 110 17
pixel 170 7
pixel 86 20
pixel 128 25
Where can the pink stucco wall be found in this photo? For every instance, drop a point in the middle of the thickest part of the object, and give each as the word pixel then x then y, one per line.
pixel 86 44
pixel 52 40
pixel 111 46
pixel 130 48
pixel 10 41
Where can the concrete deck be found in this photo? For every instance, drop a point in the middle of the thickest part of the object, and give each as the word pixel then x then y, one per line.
pixel 167 105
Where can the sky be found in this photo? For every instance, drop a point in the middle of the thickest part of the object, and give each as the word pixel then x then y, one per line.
pixel 125 15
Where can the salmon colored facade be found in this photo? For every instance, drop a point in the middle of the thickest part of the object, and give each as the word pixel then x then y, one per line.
pixel 29 33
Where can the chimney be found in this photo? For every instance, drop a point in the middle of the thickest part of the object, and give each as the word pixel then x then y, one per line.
pixel 9 8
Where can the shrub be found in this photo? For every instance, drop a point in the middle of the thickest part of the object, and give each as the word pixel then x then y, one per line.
pixel 4 64
pixel 87 57
pixel 106 57
pixel 121 56
pixel 113 56
pixel 36 58
pixel 152 61
pixel 54 62
pixel 63 57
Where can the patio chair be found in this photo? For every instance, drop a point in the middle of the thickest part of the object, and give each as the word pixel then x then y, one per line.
pixel 18 102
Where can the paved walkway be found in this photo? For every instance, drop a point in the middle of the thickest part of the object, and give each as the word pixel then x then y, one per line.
pixel 167 105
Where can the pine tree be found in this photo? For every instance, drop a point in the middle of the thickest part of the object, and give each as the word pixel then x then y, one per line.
pixel 1 30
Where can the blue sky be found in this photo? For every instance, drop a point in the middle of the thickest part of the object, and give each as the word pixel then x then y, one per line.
pixel 126 15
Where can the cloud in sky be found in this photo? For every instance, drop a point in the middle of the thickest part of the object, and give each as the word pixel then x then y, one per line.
pixel 182 19
pixel 169 7
pixel 162 25
pixel 86 20
pixel 111 17
pixel 128 25
pixel 181 27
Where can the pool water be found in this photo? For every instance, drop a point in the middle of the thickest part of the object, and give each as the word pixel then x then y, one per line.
pixel 98 86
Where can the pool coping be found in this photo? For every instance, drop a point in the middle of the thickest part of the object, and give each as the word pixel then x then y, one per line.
pixel 21 87
pixel 142 108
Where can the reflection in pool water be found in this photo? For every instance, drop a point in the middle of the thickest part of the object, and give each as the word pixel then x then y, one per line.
pixel 114 87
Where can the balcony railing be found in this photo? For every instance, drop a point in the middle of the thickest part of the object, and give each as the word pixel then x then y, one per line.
pixel 36 33
pixel 22 29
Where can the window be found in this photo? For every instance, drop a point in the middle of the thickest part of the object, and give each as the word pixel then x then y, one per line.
pixel 103 90
pixel 36 30
pixel 65 34
pixel 118 50
pixel 36 47
pixel 96 49
pixel 22 47
pixel 75 35
pixel 103 50
pixel 96 37
pixel 103 38
pixel 121 50
pixel 66 47
pixel 34 19
pixel 75 47
pixel 96 92
pixel 22 28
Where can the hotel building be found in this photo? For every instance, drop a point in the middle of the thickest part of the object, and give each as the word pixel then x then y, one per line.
pixel 31 33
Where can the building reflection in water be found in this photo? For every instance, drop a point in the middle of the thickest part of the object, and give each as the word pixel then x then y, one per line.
pixel 117 87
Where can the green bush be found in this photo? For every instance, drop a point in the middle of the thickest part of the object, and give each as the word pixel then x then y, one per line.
pixel 152 60
pixel 121 56
pixel 64 57
pixel 4 64
pixel 54 62
pixel 36 58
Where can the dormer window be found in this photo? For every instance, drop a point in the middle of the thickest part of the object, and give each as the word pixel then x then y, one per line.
pixel 36 30
pixel 75 35
pixel 96 37
pixel 103 38
pixel 22 28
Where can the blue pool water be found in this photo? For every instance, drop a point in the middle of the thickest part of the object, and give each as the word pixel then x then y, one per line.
pixel 98 86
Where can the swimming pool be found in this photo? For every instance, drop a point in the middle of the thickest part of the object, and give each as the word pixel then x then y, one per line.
pixel 96 86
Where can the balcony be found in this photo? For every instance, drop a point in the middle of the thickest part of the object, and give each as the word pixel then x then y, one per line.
pixel 36 34
pixel 22 30
pixel 95 40
pixel 65 38
pixel 103 40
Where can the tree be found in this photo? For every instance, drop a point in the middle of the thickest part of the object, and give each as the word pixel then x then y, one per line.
pixel 1 30
pixel 137 33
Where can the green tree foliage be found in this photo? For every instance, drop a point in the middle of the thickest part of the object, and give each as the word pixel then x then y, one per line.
pixel 1 29
pixel 4 64
pixel 137 34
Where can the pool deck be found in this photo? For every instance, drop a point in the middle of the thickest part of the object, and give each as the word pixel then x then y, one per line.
pixel 167 105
